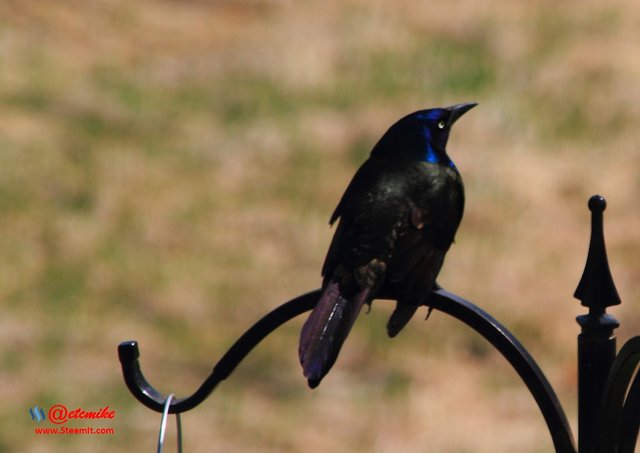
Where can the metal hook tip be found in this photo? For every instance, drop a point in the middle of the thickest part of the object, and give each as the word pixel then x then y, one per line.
pixel 128 351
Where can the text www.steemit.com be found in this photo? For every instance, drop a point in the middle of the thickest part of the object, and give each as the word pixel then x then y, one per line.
pixel 66 431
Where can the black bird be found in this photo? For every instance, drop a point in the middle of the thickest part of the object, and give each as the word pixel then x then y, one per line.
pixel 398 217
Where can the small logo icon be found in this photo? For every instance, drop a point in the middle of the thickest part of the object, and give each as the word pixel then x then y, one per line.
pixel 37 414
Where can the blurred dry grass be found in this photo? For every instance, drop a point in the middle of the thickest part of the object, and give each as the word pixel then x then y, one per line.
pixel 167 169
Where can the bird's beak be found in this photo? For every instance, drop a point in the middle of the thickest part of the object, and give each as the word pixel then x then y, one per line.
pixel 458 110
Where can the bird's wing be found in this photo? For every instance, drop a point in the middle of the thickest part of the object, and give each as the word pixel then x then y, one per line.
pixel 413 269
pixel 369 212
pixel 415 261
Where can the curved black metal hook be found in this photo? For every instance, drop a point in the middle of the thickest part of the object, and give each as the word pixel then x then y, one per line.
pixel 519 358
pixel 630 420
pixel 145 393
pixel 620 417
pixel 453 305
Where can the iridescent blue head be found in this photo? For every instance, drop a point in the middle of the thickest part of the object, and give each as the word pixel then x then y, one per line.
pixel 421 135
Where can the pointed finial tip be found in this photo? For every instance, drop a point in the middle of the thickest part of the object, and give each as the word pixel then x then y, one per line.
pixel 597 203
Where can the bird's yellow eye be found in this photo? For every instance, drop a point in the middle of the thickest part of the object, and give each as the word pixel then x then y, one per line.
pixel 441 125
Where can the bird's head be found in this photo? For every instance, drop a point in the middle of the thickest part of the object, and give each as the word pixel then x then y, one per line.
pixel 421 135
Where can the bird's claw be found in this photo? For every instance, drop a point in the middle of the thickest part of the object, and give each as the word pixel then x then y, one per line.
pixel 429 310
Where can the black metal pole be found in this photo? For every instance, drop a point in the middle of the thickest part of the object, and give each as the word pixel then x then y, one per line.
pixel 596 343
pixel 596 353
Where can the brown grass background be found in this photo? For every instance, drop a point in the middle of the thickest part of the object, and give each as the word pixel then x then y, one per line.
pixel 167 170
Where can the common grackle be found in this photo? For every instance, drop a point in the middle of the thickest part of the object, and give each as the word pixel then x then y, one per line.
pixel 398 217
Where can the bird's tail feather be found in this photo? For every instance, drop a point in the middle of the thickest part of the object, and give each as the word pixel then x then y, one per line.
pixel 326 329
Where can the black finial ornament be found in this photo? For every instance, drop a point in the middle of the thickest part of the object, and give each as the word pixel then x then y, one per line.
pixel 596 289
pixel 596 342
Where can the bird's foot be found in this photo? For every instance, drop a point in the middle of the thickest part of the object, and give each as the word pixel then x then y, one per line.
pixel 429 310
